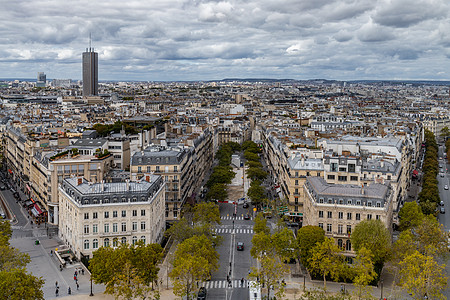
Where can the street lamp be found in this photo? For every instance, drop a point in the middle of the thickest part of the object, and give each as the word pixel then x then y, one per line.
pixel 91 294
pixel 381 283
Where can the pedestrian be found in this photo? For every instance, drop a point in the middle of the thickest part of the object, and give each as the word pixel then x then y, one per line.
pixel 56 284
pixel 60 268
pixel 76 273
pixel 69 291
pixel 242 281
pixel 75 277
pixel 57 291
pixel 82 271
pixel 229 283
pixel 78 286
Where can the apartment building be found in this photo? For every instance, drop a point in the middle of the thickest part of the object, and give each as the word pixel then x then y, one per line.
pixel 176 166
pixel 338 208
pixel 108 214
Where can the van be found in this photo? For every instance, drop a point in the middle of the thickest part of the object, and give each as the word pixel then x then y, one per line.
pixel 254 290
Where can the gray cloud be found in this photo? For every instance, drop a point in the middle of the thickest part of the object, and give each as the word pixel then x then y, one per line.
pixel 204 39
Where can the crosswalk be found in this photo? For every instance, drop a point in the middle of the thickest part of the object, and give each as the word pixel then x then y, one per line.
pixel 232 218
pixel 222 284
pixel 229 230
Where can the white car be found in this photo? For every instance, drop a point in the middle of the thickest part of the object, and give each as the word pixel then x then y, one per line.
pixel 445 187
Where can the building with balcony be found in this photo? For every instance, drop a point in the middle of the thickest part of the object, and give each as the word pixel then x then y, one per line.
pixel 107 214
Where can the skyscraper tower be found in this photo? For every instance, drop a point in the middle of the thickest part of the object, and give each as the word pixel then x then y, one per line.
pixel 41 79
pixel 90 72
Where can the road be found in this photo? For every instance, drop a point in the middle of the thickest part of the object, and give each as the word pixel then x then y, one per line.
pixel 444 219
pixel 238 262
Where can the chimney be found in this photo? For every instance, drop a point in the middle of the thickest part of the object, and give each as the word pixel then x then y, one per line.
pixel 80 180
pixel 303 160
pixel 128 184
pixel 103 185
pixel 147 177
pixel 362 189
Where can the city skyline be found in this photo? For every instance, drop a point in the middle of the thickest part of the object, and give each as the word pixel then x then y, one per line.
pixel 208 40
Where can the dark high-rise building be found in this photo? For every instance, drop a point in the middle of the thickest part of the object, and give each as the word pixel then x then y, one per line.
pixel 90 72
pixel 41 79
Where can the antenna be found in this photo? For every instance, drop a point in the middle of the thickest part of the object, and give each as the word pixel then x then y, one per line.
pixel 90 40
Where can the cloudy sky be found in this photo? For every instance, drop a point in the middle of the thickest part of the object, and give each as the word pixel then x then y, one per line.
pixel 208 40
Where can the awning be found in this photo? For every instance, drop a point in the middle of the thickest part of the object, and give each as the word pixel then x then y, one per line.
pixel 9 170
pixel 37 208
pixel 415 172
pixel 35 212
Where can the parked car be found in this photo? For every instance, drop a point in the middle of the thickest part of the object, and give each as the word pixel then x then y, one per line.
pixel 445 187
pixel 442 203
pixel 247 217
pixel 442 175
pixel 2 187
pixel 240 246
pixel 245 205
pixel 201 293
pixel 442 210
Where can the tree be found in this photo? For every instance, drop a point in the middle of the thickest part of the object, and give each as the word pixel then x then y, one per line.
pixel 18 284
pixel 127 271
pixel 5 232
pixel 180 230
pixel 410 215
pixel 251 156
pixel 206 213
pixel 194 260
pixel 364 272
pixel 445 132
pixel 326 260
pixel 421 275
pixel 260 224
pixel 253 164
pixel 429 237
pixel 256 193
pixel 256 173
pixel 270 273
pixel 374 236
pixel 218 192
pixel 307 239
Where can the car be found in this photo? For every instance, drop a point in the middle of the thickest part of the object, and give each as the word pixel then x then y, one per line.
pixel 442 175
pixel 442 203
pixel 2 188
pixel 201 293
pixel 247 217
pixel 445 187
pixel 240 246
pixel 245 205
pixel 442 210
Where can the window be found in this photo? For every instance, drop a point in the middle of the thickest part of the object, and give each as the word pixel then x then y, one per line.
pixel 106 228
pixel 354 178
pixel 340 243
pixel 329 214
pixel 321 225
pixel 349 202
pixel 94 215
pixel 115 242
pixel 86 216
pixel 114 227
pixel 296 173
pixel 106 214
pixel 349 229
pixel 342 178
pixel 175 213
pixel 342 169
pixel 329 228
pixel 142 225
pixel 377 217
pixel 139 169
pixel 124 240
pixel 124 213
pixel 321 200
pixel 358 202
pixel 157 169
pixel 142 212
pixel 330 201
pixel 340 215
pixel 86 244
pixel 348 245
pixel 349 216
pixel 296 200
pixel 134 212
pixel 369 217
pixel 86 229
pixel 351 168
pixel 320 213
pixel 358 216
pixel 95 243
pixel 134 240
pixel 175 169
pixel 296 208
pixel 378 204
pixel 94 228
pixel 115 214
pixel 340 228
pixel 369 203
pixel 143 239
pixel 331 177
pixel 296 182
pixel 318 174
pixel 134 226
pixel 333 167
pixel 341 201
pixel 149 169
pixel 124 226
pixel 106 242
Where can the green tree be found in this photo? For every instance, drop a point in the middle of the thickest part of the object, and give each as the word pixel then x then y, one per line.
pixel 260 224
pixel 307 239
pixel 326 260
pixel 421 275
pixel 127 271
pixel 180 231
pixel 218 192
pixel 256 193
pixel 256 173
pixel 323 295
pixel 18 284
pixel 374 236
pixel 445 132
pixel 5 232
pixel 251 156
pixel 254 164
pixel 194 260
pixel 206 213
pixel 364 273
pixel 410 215
pixel 270 273
pixel 429 237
